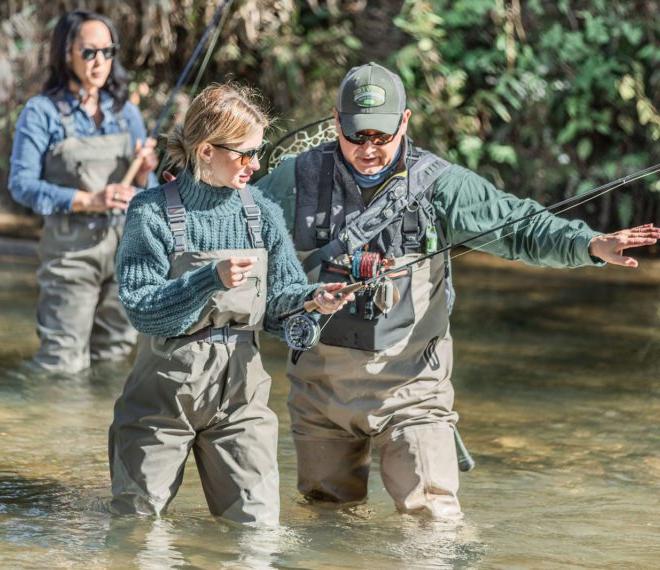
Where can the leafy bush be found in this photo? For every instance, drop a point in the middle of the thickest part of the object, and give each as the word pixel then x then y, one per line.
pixel 547 100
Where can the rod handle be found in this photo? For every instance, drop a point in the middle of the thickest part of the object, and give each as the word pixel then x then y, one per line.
pixel 132 171
pixel 312 305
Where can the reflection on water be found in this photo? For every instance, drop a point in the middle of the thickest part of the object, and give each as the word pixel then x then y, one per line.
pixel 557 382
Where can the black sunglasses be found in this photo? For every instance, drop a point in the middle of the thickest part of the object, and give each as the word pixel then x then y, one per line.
pixel 88 54
pixel 246 156
pixel 378 139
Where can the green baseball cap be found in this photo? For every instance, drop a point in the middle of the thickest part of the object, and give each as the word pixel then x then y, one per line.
pixel 370 97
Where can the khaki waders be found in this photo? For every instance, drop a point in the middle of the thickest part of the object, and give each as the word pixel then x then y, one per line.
pixel 206 391
pixel 400 398
pixel 79 316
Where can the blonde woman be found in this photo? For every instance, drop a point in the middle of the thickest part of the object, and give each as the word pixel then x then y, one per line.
pixel 204 261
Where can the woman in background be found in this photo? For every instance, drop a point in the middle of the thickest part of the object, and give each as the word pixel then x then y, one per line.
pixel 73 145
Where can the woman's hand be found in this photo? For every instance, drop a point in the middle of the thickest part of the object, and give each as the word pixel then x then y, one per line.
pixel 235 270
pixel 610 247
pixel 329 299
pixel 147 154
pixel 112 196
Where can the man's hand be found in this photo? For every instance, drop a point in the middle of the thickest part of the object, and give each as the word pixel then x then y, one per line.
pixel 328 298
pixel 610 247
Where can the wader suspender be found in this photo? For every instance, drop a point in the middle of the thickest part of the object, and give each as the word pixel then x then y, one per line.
pixel 253 217
pixel 66 116
pixel 421 176
pixel 176 216
pixel 325 198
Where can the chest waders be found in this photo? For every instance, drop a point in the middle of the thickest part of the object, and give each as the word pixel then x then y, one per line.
pixel 386 379
pixel 206 391
pixel 79 316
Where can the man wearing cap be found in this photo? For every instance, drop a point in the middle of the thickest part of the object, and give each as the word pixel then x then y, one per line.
pixel 380 374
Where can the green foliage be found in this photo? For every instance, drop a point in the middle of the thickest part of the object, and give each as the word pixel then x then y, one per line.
pixel 564 93
pixel 547 99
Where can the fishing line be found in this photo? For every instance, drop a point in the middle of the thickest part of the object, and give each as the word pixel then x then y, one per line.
pixel 211 47
pixel 215 22
pixel 569 202
pixel 583 201
pixel 325 324
pixel 183 76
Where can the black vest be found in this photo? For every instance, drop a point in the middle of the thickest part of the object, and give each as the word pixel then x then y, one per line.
pixel 328 199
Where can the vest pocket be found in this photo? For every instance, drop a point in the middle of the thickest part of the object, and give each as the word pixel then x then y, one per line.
pixel 361 325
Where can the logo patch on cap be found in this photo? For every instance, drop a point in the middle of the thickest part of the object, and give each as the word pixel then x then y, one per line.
pixel 369 96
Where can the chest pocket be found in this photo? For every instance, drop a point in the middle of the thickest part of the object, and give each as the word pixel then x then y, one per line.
pixel 240 307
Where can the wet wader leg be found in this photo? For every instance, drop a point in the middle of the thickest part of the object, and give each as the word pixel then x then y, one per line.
pixel 68 295
pixel 150 438
pixel 334 470
pixel 419 465
pixel 112 337
pixel 147 464
pixel 237 456
pixel 420 470
pixel 333 463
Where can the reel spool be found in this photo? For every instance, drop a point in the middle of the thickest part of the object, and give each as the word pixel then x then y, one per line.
pixel 365 264
pixel 302 331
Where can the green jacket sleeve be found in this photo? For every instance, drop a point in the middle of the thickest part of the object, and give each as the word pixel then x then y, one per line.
pixel 280 186
pixel 468 205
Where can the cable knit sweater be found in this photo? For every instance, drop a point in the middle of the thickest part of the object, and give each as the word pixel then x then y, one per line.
pixel 160 306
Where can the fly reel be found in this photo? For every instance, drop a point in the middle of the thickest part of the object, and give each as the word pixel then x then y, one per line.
pixel 302 331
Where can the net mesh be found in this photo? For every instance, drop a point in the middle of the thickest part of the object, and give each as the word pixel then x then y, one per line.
pixel 303 139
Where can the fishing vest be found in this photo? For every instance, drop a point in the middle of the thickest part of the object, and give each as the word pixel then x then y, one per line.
pixel 332 221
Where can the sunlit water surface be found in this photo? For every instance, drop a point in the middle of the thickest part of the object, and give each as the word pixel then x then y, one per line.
pixel 557 379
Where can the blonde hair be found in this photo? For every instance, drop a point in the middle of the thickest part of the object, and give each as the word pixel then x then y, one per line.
pixel 220 114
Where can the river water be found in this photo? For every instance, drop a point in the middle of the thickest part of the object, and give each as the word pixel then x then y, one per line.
pixel 557 377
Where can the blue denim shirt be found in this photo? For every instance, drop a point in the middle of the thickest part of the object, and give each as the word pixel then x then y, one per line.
pixel 39 128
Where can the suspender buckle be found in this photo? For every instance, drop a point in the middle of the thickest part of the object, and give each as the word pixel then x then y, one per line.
pixel 252 212
pixel 176 214
pixel 217 334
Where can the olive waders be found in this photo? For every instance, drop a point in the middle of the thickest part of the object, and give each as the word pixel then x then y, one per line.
pixel 207 391
pixel 386 380
pixel 79 316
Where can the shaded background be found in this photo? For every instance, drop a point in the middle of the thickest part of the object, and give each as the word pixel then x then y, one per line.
pixel 544 99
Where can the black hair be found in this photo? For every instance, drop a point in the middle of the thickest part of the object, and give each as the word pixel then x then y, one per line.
pixel 59 71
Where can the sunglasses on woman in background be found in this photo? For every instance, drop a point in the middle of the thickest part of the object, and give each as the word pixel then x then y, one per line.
pixel 88 54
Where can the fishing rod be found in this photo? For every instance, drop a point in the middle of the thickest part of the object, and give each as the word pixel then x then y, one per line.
pixel 183 77
pixel 310 306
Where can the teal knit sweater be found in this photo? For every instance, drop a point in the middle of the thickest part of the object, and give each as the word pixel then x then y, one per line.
pixel 160 306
